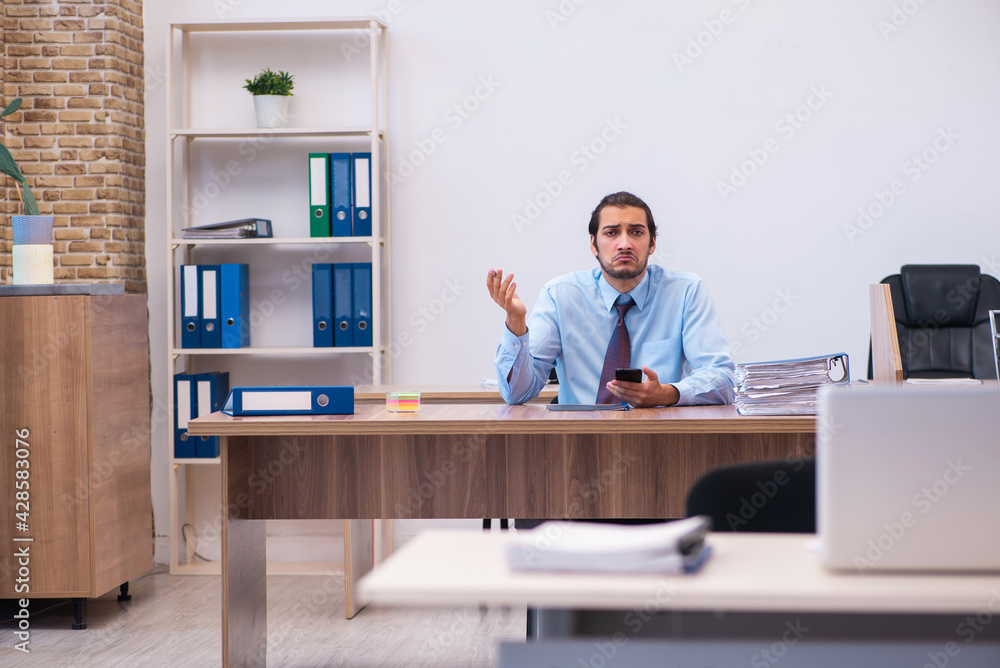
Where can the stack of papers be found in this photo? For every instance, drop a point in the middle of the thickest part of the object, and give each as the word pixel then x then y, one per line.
pixel 581 547
pixel 944 381
pixel 245 228
pixel 787 387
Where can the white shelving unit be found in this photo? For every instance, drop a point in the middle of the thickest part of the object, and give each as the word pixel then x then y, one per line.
pixel 187 143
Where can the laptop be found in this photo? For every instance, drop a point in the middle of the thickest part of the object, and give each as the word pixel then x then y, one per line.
pixel 995 331
pixel 908 478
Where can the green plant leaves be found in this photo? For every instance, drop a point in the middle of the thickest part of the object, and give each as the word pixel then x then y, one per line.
pixel 8 166
pixel 12 107
pixel 30 204
pixel 270 83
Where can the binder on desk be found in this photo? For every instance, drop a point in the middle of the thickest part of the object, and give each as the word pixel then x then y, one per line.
pixel 208 302
pixel 361 177
pixel 184 445
pixel 343 307
pixel 340 195
pixel 210 395
pixel 787 387
pixel 362 289
pixel 234 305
pixel 190 317
pixel 322 286
pixel 319 194
pixel 290 401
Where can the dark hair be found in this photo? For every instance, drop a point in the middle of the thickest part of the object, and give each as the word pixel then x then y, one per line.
pixel 622 200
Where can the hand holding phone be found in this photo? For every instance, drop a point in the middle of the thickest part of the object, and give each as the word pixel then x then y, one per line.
pixel 630 375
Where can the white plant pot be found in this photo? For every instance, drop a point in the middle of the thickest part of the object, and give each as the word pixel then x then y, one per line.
pixel 272 110
pixel 33 264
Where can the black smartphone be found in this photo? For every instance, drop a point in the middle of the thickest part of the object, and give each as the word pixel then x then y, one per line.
pixel 631 375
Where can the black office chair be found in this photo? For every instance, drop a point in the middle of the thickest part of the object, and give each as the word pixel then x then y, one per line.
pixel 772 496
pixel 942 320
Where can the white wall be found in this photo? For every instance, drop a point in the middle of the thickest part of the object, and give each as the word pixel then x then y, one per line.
pixel 783 253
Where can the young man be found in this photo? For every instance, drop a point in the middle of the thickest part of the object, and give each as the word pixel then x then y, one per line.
pixel 673 332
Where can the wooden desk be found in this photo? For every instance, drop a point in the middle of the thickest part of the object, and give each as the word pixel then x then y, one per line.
pixel 462 461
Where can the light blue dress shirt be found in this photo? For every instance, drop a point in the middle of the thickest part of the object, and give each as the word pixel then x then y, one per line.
pixel 673 330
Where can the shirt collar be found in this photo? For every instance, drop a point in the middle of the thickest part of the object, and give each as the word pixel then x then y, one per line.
pixel 639 293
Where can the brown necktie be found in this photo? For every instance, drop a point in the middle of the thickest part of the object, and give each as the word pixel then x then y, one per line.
pixel 618 356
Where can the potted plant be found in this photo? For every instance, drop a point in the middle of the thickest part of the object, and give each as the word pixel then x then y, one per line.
pixel 32 232
pixel 271 91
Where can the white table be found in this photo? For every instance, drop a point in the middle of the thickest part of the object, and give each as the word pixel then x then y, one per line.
pixel 761 597
pixel 747 572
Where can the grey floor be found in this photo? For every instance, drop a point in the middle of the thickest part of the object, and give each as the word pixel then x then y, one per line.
pixel 176 621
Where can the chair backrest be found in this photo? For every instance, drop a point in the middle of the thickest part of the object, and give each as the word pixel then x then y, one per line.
pixel 773 496
pixel 942 320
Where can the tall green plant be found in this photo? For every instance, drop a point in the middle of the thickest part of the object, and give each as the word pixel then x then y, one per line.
pixel 9 167
pixel 270 83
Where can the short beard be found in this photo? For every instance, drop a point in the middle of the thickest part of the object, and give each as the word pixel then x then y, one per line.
pixel 622 274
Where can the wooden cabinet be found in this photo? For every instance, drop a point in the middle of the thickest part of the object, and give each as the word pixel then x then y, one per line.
pixel 74 373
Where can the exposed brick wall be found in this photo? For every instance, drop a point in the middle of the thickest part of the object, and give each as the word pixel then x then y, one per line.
pixel 79 137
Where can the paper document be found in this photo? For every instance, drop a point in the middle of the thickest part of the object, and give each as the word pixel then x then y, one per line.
pixel 787 387
pixel 582 547
pixel 944 381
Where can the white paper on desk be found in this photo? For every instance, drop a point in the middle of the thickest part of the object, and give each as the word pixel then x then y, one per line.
pixel 606 548
pixel 944 381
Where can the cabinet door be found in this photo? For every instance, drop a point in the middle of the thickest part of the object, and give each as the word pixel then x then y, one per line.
pixel 43 388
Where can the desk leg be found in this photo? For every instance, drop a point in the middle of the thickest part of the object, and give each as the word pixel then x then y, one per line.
pixel 358 560
pixel 244 569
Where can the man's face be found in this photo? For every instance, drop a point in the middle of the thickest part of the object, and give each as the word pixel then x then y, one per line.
pixel 623 244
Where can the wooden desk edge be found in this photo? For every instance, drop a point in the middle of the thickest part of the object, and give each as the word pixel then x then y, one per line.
pixel 379 423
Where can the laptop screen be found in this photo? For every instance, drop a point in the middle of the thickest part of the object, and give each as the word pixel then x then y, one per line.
pixel 907 478
pixel 995 330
